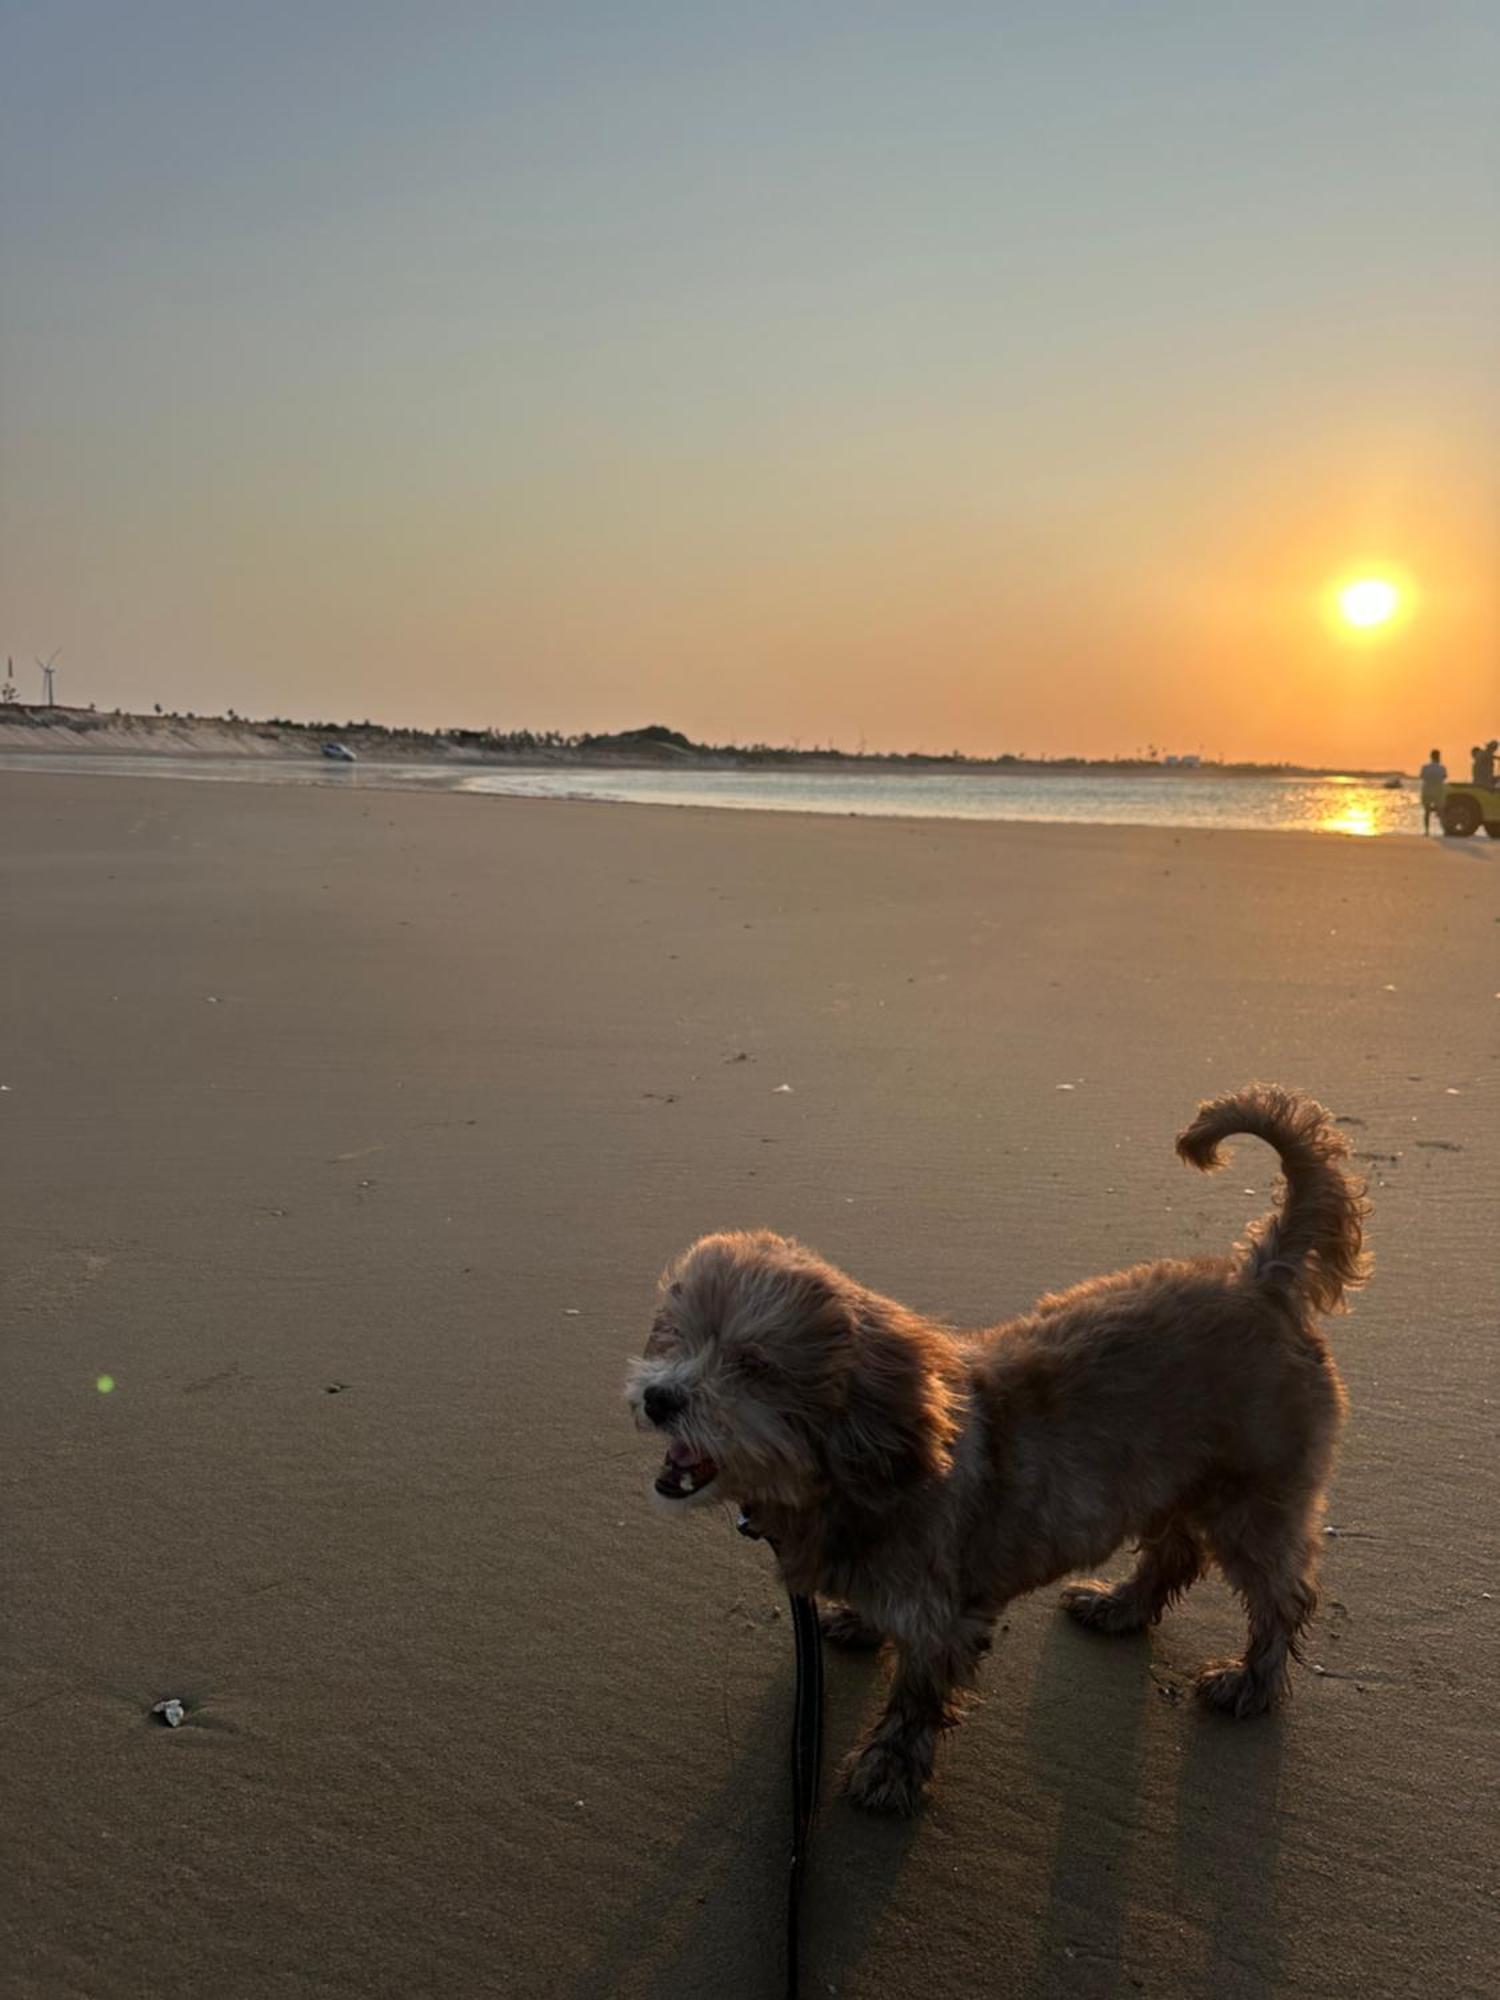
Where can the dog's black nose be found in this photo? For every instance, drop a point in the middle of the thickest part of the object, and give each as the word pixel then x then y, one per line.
pixel 660 1404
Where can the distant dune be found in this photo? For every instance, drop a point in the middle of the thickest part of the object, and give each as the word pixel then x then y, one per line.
pixel 115 732
pixel 72 731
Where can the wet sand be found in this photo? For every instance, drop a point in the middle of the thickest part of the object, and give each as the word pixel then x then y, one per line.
pixel 346 1134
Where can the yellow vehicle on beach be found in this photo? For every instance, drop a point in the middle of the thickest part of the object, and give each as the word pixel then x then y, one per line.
pixel 1467 808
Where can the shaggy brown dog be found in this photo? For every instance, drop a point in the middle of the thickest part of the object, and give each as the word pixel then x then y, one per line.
pixel 920 1478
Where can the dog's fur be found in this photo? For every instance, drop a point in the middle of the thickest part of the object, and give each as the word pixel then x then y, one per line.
pixel 917 1479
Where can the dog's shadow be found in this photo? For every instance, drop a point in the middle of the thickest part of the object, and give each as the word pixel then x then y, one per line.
pixel 1228 1836
pixel 857 1856
pixel 1111 1884
pixel 706 1926
pixel 1083 1745
pixel 1084 1741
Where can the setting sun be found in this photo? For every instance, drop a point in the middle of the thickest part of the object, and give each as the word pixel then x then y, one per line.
pixel 1372 600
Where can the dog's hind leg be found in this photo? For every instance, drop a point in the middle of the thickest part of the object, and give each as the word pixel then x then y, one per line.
pixel 842 1626
pixel 1170 1559
pixel 1269 1554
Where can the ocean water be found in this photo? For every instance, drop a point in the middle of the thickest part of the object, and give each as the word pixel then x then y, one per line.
pixel 1321 805
pixel 1350 806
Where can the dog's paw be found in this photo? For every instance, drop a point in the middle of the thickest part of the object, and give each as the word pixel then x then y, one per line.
pixel 1229 1688
pixel 1102 1608
pixel 842 1627
pixel 884 1780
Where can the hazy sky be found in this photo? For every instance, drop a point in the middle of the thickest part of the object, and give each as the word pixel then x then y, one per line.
pixel 1008 376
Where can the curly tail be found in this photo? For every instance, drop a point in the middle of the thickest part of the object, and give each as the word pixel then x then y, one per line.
pixel 1314 1247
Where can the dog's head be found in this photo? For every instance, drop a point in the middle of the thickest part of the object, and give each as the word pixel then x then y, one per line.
pixel 773 1378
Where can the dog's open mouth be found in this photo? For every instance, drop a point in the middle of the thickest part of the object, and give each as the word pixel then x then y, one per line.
pixel 683 1472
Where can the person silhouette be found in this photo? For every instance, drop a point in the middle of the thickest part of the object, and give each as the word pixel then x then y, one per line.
pixel 1434 778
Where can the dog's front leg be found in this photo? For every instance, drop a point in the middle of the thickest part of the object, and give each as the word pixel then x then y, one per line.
pixel 889 1772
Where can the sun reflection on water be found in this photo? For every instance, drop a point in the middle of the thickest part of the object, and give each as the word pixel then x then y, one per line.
pixel 1358 820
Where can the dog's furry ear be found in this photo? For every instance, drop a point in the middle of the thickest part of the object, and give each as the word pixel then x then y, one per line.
pixel 896 1426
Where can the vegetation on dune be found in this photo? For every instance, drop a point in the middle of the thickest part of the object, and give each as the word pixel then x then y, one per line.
pixel 654 743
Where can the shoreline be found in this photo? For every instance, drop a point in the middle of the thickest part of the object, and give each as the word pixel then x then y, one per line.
pixel 461 778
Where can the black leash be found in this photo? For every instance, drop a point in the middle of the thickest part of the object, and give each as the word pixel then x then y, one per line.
pixel 807 1751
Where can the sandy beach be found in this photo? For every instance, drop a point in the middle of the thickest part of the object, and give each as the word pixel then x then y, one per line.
pixel 345 1135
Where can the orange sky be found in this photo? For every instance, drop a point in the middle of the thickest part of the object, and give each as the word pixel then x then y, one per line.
pixel 921 380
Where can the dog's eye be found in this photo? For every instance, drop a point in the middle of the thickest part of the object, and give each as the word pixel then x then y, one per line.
pixel 754 1365
pixel 662 1336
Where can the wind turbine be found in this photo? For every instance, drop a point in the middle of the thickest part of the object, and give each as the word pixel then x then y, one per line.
pixel 46 667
